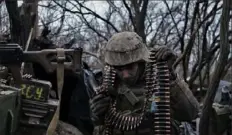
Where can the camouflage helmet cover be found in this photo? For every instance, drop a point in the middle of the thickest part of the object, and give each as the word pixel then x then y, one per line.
pixel 124 48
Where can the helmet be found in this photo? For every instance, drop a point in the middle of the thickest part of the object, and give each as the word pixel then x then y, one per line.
pixel 125 48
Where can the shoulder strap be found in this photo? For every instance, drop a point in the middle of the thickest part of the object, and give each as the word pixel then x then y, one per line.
pixel 60 82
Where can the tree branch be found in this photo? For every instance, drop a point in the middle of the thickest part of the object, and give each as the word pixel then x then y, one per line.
pixel 130 14
pixel 224 52
pixel 192 37
pixel 97 16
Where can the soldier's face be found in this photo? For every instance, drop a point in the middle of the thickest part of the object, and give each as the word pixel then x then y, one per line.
pixel 128 73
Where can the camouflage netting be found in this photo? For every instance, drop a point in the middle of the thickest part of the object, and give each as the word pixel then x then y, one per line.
pixel 127 47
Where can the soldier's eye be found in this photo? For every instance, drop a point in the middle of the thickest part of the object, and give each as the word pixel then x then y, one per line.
pixel 129 67
pixel 119 68
pixel 126 67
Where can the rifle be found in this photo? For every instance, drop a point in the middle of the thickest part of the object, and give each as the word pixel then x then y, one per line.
pixel 37 109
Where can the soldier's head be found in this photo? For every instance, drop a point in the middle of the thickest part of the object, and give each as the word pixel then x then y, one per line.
pixel 127 53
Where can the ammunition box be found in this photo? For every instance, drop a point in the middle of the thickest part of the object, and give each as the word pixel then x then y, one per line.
pixel 9 109
pixel 37 109
pixel 37 114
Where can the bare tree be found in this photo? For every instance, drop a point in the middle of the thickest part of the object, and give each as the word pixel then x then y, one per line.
pixel 21 22
pixel 188 27
pixel 207 114
pixel 4 20
pixel 20 19
pixel 191 28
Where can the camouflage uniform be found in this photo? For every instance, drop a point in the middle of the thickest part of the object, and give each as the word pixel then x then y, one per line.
pixel 125 48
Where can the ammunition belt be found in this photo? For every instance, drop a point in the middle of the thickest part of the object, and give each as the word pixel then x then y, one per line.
pixel 162 117
pixel 157 92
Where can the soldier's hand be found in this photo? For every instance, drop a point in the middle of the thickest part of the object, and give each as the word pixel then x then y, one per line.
pixel 99 106
pixel 164 53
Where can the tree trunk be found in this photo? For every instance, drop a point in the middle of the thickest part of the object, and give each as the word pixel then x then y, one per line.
pixel 29 7
pixel 206 116
pixel 20 23
pixel 16 29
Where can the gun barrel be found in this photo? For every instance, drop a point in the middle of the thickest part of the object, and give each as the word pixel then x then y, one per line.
pixel 12 56
pixel 48 59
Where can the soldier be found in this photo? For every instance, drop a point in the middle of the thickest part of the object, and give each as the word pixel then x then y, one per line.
pixel 126 56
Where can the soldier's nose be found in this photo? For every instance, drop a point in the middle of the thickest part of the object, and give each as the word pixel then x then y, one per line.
pixel 125 73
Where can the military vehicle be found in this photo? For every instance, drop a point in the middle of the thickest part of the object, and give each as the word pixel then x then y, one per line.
pixel 25 103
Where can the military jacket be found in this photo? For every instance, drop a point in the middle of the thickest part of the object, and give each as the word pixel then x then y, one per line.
pixel 184 107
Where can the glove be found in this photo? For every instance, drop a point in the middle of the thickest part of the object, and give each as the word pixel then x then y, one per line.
pixel 99 106
pixel 166 54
